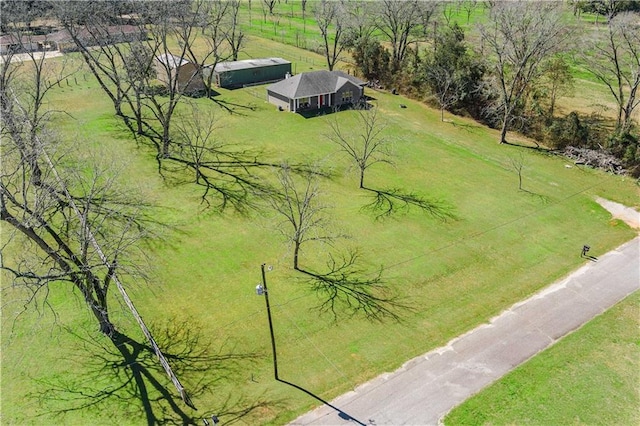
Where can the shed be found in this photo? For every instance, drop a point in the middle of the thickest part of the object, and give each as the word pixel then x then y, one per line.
pixel 189 76
pixel 315 90
pixel 235 74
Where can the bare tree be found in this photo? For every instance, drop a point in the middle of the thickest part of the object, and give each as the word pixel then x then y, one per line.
pixel 444 81
pixel 24 12
pixel 179 20
pixel 360 21
pixel 69 226
pixel 235 35
pixel 138 64
pixel 304 215
pixel 90 26
pixel 469 6
pixel 329 16
pixel 121 58
pixel 344 284
pixel 370 146
pixel 520 35
pixel 615 62
pixel 269 5
pixel 214 19
pixel 366 148
pixel 518 163
pixel 404 22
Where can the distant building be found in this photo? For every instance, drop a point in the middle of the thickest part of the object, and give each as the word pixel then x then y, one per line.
pixel 315 90
pixel 189 76
pixel 12 43
pixel 235 74
pixel 97 36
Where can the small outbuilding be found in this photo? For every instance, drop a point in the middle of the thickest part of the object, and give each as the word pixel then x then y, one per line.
pixel 189 75
pixel 234 74
pixel 315 90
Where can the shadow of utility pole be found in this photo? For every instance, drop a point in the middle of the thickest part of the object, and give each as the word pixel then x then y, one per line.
pixel 342 414
pixel 263 290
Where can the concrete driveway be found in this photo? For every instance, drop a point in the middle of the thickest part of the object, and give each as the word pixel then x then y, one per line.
pixel 428 387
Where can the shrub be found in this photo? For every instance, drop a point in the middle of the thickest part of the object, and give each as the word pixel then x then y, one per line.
pixel 567 131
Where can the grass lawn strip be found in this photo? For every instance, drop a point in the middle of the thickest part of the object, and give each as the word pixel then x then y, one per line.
pixel 589 377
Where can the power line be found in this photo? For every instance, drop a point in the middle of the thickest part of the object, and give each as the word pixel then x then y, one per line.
pixel 486 231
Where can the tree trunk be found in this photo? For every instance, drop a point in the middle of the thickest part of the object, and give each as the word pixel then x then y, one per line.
pixel 361 178
pixel 139 114
pixel 503 132
pixel 165 141
pixel 296 252
pixel 102 315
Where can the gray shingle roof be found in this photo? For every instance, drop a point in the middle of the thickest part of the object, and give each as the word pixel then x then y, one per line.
pixel 313 83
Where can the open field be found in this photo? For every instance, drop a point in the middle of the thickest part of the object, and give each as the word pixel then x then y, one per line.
pixel 504 245
pixel 596 366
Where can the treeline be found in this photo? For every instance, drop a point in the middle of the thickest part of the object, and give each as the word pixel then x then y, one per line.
pixel 505 64
pixel 522 60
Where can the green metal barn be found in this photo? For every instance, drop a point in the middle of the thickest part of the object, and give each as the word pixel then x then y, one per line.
pixel 236 74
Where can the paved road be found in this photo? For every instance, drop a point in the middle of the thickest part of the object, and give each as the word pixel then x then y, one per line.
pixel 428 387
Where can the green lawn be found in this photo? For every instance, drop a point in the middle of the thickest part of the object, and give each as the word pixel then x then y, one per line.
pixel 505 245
pixel 590 377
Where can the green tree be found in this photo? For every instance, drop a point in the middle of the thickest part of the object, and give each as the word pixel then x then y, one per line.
pixel 450 72
pixel 556 80
pixel 373 60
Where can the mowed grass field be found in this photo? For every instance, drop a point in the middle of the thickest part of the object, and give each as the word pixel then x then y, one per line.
pixel 589 377
pixel 504 245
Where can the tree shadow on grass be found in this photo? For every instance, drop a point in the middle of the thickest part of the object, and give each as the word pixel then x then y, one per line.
pixel 121 373
pixel 542 198
pixel 469 127
pixel 387 203
pixel 345 287
pixel 234 108
pixel 537 147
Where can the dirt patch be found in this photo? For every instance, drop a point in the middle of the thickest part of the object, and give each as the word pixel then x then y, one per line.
pixel 628 215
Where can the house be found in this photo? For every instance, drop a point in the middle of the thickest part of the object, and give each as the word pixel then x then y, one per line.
pixel 316 89
pixel 189 75
pixel 249 71
pixel 13 43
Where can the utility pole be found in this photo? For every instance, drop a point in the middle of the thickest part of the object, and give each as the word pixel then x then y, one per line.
pixel 262 290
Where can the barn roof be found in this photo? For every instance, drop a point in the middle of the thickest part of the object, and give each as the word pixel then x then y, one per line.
pixel 313 83
pixel 172 61
pixel 248 64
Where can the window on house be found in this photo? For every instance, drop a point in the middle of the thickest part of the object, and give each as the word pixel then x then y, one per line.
pixel 347 96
